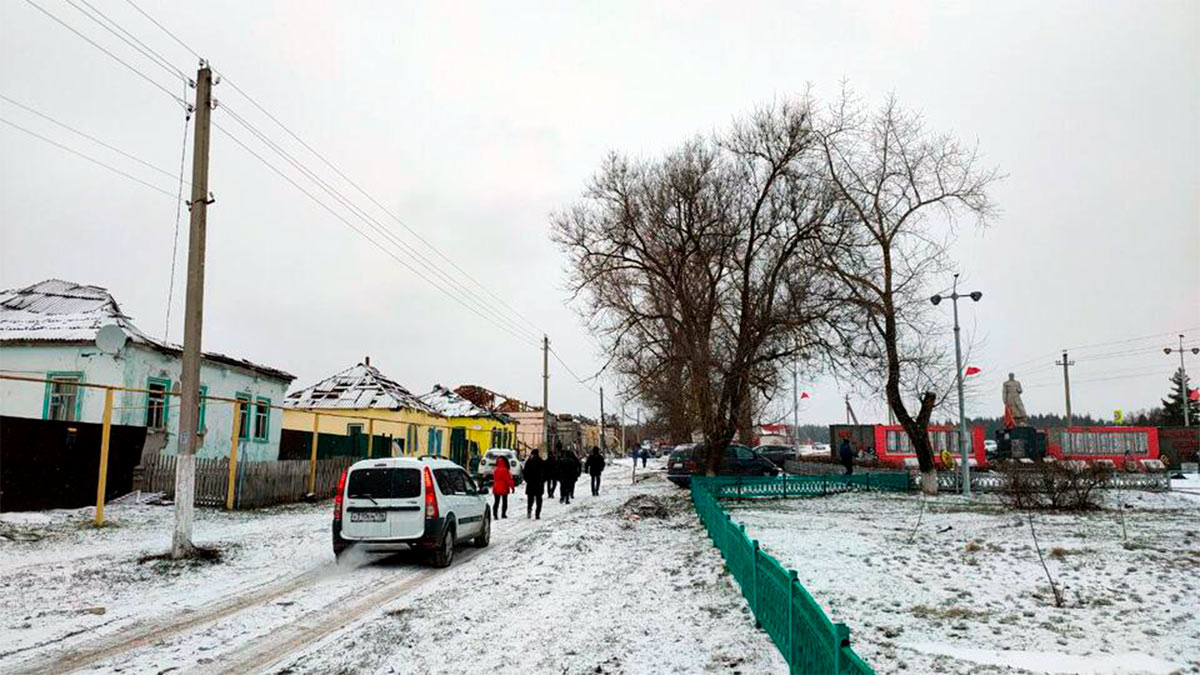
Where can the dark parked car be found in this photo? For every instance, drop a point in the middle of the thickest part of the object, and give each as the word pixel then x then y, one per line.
pixel 739 460
pixel 777 454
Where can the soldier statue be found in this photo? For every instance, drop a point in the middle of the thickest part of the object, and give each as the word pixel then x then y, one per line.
pixel 1013 407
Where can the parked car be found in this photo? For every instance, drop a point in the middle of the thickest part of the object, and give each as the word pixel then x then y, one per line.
pixel 392 504
pixel 777 454
pixel 487 465
pixel 990 448
pixel 739 460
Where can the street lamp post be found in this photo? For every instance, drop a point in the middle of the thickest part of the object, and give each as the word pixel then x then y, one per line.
pixel 962 416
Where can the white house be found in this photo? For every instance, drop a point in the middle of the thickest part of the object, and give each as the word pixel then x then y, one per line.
pixel 49 331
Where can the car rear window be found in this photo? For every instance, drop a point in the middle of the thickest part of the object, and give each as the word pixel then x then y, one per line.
pixel 384 483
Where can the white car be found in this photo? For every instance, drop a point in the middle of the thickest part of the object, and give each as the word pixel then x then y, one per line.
pixel 487 465
pixel 392 504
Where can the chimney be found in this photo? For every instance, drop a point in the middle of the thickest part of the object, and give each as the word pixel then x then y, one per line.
pixel 367 360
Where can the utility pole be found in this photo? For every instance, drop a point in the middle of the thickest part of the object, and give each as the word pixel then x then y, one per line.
pixel 185 467
pixel 1066 364
pixel 1183 380
pixel 602 420
pixel 545 393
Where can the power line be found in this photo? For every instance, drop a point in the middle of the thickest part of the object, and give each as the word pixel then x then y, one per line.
pixel 88 158
pixel 111 55
pixel 341 174
pixel 128 38
pixel 91 138
pixel 483 306
pixel 175 241
pixel 360 232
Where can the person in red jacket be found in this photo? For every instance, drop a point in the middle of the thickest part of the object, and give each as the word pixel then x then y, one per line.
pixel 502 486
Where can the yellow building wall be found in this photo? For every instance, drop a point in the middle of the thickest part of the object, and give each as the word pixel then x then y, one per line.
pixel 479 429
pixel 395 423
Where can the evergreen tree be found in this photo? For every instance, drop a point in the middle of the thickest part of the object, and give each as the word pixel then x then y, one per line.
pixel 1172 406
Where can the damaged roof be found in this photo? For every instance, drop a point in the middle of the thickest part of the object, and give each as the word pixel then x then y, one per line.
pixel 65 312
pixel 356 388
pixel 451 404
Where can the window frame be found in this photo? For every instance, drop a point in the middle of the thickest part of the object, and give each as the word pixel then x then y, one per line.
pixel 203 418
pixel 55 376
pixel 261 403
pixel 353 428
pixel 166 401
pixel 244 398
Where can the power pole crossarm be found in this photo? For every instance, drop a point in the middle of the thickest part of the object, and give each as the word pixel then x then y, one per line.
pixel 185 467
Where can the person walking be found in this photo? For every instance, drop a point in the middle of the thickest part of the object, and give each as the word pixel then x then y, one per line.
pixel 552 469
pixel 502 487
pixel 847 455
pixel 645 454
pixel 569 469
pixel 535 482
pixel 595 466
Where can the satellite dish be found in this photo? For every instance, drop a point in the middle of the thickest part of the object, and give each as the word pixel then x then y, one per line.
pixel 110 339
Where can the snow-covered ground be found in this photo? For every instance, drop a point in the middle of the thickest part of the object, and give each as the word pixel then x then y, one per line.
pixel 586 589
pixel 968 594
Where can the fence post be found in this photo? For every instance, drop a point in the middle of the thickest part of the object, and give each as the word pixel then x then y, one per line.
pixel 785 482
pixel 105 435
pixel 231 486
pixel 370 435
pixel 312 460
pixel 754 585
pixel 868 482
pixel 793 581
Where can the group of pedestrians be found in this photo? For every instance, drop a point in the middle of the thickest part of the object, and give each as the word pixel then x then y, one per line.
pixel 558 471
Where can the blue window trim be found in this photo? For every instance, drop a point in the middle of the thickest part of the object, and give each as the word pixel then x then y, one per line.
pixel 77 376
pixel 246 421
pixel 259 402
pixel 166 384
pixel 203 407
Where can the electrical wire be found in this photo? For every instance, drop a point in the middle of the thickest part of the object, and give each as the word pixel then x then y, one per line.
pixel 178 216
pixel 163 28
pixel 88 158
pixel 482 306
pixel 356 229
pixel 128 38
pixel 90 137
pixel 111 55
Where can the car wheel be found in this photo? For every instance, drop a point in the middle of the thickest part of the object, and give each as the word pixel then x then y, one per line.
pixel 443 555
pixel 485 535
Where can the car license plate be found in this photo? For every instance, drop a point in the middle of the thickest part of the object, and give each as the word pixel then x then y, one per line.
pixel 367 516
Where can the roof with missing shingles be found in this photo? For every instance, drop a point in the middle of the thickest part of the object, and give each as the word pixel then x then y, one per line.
pixel 359 387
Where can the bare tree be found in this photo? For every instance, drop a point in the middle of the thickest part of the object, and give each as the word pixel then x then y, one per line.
pixel 902 187
pixel 699 270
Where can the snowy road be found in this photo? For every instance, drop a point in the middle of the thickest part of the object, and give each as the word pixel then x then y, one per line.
pixel 583 590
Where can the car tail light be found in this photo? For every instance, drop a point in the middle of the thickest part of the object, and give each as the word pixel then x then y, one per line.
pixel 337 498
pixel 431 504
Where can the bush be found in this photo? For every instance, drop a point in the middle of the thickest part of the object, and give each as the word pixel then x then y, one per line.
pixel 1053 486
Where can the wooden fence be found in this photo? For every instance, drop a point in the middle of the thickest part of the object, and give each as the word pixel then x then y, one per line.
pixel 258 483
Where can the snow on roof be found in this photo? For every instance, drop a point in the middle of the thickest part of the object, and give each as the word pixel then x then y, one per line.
pixel 62 311
pixel 450 404
pixel 356 388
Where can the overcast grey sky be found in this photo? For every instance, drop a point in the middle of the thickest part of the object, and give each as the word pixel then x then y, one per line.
pixel 472 122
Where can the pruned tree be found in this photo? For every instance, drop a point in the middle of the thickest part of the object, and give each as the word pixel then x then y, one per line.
pixel 699 270
pixel 901 186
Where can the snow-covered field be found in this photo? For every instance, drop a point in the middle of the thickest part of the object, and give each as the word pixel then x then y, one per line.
pixel 968 594
pixel 586 589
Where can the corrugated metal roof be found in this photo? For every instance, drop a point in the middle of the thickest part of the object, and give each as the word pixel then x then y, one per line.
pixel 451 404
pixel 62 311
pixel 359 387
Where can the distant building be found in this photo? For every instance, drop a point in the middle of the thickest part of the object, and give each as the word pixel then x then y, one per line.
pixel 345 400
pixel 473 429
pixel 49 331
pixel 532 421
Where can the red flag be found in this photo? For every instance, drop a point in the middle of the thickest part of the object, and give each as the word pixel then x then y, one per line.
pixel 1194 394
pixel 972 370
pixel 804 394
pixel 1009 422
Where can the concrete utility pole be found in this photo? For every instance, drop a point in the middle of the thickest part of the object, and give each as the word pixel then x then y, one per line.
pixel 189 414
pixel 1183 380
pixel 1066 364
pixel 545 394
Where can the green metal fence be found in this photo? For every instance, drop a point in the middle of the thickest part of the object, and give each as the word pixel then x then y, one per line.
pixel 809 641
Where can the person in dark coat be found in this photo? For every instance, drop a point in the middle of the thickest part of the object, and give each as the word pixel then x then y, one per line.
pixel 595 466
pixel 535 482
pixel 569 469
pixel 645 453
pixel 552 469
pixel 847 455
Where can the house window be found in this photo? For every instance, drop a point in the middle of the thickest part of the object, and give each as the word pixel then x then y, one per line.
pixel 156 402
pixel 354 429
pixel 435 443
pixel 243 404
pixel 262 419
pixel 62 396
